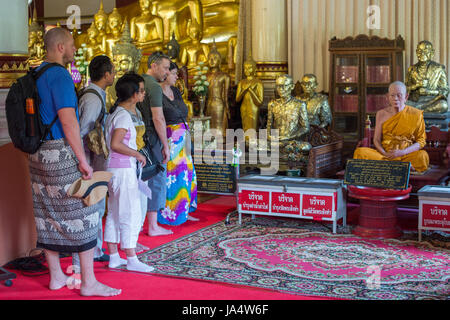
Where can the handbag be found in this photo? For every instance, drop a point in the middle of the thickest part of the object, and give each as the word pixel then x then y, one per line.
pixel 152 166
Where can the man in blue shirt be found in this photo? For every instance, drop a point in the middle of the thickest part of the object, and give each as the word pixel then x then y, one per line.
pixel 63 223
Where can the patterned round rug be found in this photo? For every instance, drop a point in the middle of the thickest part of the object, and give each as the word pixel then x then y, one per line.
pixel 327 257
pixel 305 258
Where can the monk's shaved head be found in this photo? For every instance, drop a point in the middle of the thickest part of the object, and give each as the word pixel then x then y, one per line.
pixel 398 84
pixel 55 36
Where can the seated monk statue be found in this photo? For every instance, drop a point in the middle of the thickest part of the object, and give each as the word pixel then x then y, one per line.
pixel 426 82
pixel 399 132
pixel 319 112
pixel 290 117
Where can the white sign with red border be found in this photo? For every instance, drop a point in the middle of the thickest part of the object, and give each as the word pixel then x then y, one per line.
pixel 434 215
pixel 307 203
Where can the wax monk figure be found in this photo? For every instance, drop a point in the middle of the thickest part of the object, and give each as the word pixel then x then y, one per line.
pixel 399 132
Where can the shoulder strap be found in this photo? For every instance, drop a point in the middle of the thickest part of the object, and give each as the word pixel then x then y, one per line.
pixel 41 71
pixel 36 76
pixel 90 90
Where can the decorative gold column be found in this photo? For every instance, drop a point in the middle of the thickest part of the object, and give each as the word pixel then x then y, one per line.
pixel 269 42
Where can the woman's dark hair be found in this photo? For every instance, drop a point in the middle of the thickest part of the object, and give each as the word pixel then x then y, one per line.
pixel 173 65
pixel 126 87
pixel 99 66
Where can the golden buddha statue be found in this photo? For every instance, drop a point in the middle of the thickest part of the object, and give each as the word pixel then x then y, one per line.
pixel 219 83
pixel 426 82
pixel 147 30
pixel 289 115
pixel 93 48
pixel 195 51
pixel 114 30
pixel 232 54
pixel 220 19
pixel 126 58
pixel 36 49
pixel 251 92
pixel 319 112
pixel 100 21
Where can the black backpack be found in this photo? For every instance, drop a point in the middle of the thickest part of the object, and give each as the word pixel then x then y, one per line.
pixel 15 106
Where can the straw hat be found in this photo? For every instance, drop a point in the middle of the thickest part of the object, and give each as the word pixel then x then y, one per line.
pixel 93 190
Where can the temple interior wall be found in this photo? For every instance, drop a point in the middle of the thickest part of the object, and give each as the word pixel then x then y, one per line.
pixel 312 23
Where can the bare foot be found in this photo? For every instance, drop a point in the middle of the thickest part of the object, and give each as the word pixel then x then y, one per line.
pixel 159 231
pixel 191 218
pixel 99 290
pixel 141 248
pixel 58 282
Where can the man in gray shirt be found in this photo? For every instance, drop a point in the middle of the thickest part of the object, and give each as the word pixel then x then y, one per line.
pixel 92 101
pixel 155 123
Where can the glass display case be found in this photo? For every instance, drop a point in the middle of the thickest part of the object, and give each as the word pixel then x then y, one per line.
pixel 362 68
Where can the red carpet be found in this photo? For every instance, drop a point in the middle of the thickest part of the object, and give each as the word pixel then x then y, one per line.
pixel 151 287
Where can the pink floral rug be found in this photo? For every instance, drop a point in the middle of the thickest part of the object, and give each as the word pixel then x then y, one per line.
pixel 305 258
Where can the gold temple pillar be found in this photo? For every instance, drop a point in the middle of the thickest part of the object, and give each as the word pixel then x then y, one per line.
pixel 269 42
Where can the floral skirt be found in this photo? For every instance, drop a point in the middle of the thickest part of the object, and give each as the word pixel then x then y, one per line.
pixel 181 197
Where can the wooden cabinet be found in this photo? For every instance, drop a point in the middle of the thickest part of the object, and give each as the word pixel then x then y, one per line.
pixel 362 69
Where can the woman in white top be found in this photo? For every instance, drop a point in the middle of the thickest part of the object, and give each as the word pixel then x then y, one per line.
pixel 123 221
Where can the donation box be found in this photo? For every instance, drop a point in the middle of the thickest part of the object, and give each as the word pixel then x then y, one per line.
pixel 304 198
pixel 434 209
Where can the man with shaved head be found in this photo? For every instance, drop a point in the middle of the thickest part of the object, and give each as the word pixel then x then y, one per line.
pixel 64 224
pixel 399 132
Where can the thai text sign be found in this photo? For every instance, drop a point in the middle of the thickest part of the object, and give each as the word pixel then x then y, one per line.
pixel 285 203
pixel 317 207
pixel 258 201
pixel 377 173
pixel 435 216
pixel 304 204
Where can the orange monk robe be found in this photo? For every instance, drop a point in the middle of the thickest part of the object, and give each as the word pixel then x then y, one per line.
pixel 399 132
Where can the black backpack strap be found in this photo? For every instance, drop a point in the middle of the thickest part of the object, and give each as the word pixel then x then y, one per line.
pixel 48 130
pixel 37 74
pixel 40 72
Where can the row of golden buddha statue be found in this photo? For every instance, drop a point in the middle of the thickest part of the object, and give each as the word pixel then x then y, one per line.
pixel 292 115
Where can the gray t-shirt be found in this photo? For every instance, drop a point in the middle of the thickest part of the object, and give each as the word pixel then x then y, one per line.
pixel 153 99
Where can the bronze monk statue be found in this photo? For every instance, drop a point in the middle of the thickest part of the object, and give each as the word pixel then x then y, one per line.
pixel 289 115
pixel 319 112
pixel 426 82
